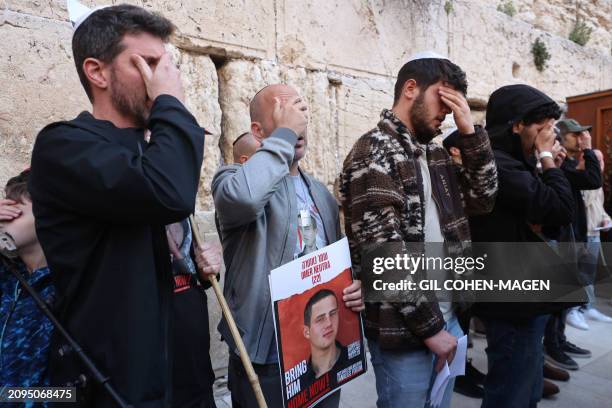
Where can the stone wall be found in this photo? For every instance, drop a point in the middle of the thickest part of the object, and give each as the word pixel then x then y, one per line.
pixel 559 17
pixel 342 55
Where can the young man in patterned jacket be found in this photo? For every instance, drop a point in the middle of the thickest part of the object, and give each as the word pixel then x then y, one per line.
pixel 399 186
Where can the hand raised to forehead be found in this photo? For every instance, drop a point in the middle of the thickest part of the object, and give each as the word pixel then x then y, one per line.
pixel 164 79
pixel 585 139
pixel 461 110
pixel 292 114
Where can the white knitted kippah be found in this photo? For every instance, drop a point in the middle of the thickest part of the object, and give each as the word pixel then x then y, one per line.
pixel 78 12
pixel 426 54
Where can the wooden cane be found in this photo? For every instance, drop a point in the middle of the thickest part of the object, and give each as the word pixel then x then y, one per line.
pixel 227 313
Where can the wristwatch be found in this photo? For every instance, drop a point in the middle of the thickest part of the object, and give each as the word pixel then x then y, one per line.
pixel 544 154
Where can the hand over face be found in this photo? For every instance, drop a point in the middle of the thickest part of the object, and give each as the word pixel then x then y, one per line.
pixel 164 79
pixel 292 114
pixel 8 210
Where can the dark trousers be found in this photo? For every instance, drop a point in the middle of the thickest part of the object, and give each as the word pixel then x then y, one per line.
pixel 192 373
pixel 464 317
pixel 515 361
pixel 270 381
pixel 554 335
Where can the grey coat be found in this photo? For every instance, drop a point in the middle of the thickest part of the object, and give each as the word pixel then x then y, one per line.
pixel 256 212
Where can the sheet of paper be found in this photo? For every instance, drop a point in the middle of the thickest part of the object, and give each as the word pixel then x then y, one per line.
pixel 456 368
pixel 437 390
pixel 605 227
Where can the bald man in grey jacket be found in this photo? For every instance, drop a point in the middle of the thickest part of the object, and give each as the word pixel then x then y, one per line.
pixel 258 205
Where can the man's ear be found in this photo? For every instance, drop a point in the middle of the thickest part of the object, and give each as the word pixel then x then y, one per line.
pixel 257 131
pixel 95 72
pixel 517 127
pixel 410 89
pixel 307 332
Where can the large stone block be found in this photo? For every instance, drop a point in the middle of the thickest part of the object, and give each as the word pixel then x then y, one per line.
pixel 321 158
pixel 228 27
pixel 558 17
pixel 360 102
pixel 234 28
pixel 239 81
pixel 50 9
pixel 356 37
pixel 201 86
pixel 39 84
pixel 495 52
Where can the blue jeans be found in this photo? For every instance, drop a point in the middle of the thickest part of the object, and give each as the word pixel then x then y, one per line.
pixel 515 360
pixel 404 378
pixel 588 268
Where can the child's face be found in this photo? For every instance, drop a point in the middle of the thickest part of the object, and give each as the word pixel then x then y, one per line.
pixel 22 228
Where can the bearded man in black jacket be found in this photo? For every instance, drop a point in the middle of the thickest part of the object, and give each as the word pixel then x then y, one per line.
pixel 102 197
pixel 520 122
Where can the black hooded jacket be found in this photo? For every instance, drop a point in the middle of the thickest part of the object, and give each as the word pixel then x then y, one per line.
pixel 524 198
pixel 101 198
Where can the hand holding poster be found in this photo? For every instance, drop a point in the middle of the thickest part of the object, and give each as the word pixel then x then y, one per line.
pixel 320 340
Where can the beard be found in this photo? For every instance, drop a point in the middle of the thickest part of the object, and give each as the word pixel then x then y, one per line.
pixel 127 102
pixel 418 117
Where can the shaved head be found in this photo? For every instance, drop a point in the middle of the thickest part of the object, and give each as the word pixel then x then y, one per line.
pixel 244 147
pixel 262 104
pixel 261 109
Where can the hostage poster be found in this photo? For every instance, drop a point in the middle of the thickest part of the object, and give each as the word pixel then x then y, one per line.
pixel 320 340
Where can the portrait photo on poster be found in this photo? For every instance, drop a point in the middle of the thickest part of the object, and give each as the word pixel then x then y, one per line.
pixel 320 341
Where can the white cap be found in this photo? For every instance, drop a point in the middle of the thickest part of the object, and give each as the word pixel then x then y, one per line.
pixel 78 12
pixel 425 55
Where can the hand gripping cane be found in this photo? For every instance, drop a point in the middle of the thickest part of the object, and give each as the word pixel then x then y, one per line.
pixel 232 325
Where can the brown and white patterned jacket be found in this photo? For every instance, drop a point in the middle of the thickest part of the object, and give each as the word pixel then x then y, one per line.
pixel 381 191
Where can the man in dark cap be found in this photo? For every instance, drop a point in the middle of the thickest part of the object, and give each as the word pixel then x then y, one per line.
pixel 581 168
pixel 520 122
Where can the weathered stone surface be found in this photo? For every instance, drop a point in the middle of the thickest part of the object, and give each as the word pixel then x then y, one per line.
pixel 360 102
pixel 201 87
pixel 502 55
pixel 219 350
pixel 559 17
pixel 39 85
pixel 321 158
pixel 51 9
pixel 239 81
pixel 227 27
pixel 354 37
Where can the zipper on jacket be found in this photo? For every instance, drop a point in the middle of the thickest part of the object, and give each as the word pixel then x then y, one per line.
pixel 288 223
